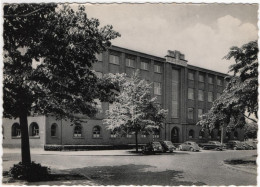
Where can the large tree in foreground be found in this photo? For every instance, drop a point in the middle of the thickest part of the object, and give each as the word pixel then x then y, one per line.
pixel 63 43
pixel 134 110
pixel 239 99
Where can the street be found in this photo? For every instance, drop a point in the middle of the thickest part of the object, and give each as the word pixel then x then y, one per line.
pixel 123 167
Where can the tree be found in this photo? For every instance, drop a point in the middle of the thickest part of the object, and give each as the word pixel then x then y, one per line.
pixel 239 99
pixel 251 130
pixel 62 43
pixel 134 110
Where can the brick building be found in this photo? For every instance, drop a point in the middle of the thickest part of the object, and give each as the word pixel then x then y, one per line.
pixel 186 91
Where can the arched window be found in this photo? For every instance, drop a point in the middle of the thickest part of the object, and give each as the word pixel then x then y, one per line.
pixel 96 132
pixel 34 129
pixel 113 134
pixel 191 133
pixel 54 130
pixel 156 133
pixel 228 135
pixel 143 134
pixel 16 130
pixel 235 135
pixel 77 130
pixel 201 134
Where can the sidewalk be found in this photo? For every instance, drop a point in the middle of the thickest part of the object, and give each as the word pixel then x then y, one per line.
pixel 35 151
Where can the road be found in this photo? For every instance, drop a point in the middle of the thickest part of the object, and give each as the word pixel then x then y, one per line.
pixel 178 168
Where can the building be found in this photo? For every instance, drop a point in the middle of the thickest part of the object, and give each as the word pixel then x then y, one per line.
pixel 186 91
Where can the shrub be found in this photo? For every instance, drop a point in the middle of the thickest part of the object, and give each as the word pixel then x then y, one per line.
pixel 32 172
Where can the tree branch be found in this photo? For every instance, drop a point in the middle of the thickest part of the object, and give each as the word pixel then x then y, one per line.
pixel 250 118
pixel 24 15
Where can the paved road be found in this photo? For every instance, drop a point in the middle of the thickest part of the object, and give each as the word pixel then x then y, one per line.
pixel 179 168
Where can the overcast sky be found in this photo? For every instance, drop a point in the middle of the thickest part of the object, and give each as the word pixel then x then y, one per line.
pixel 203 32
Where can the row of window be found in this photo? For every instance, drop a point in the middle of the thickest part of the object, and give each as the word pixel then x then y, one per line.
pixel 33 130
pixel 191 113
pixel 212 135
pixel 191 76
pixel 201 95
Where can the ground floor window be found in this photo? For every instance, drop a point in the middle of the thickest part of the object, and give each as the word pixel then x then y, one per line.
pixel 201 134
pixel 54 130
pixel 156 133
pixel 191 133
pixel 113 134
pixel 16 130
pixel 34 129
pixel 96 132
pixel 77 130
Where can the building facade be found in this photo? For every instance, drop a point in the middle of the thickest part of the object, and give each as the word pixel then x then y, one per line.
pixel 186 91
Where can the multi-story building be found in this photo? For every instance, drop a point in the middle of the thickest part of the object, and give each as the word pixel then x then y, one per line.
pixel 186 91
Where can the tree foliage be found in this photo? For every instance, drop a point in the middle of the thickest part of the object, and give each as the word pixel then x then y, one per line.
pixel 239 99
pixel 48 54
pixel 251 130
pixel 134 110
pixel 63 43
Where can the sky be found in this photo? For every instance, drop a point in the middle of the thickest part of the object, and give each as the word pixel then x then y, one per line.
pixel 203 32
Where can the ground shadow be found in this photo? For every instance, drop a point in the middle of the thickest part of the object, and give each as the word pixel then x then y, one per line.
pixel 131 175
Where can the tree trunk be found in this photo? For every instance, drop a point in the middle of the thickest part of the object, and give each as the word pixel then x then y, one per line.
pixel 222 134
pixel 25 145
pixel 136 141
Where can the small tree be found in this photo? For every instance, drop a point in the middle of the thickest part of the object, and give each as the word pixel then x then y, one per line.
pixel 63 43
pixel 251 130
pixel 239 99
pixel 134 110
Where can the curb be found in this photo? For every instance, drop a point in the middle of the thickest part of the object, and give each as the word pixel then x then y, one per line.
pixel 236 168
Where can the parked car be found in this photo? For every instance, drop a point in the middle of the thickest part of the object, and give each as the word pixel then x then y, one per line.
pixel 213 145
pixel 152 147
pixel 236 145
pixel 252 144
pixel 189 146
pixel 167 146
pixel 247 146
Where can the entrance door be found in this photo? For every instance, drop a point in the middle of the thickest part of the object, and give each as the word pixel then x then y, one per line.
pixel 175 135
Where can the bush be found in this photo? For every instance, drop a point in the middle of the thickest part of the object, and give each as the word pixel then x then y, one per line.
pixel 32 172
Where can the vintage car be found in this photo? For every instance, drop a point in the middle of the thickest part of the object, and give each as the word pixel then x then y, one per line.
pixel 152 147
pixel 213 145
pixel 167 146
pixel 235 145
pixel 252 144
pixel 189 146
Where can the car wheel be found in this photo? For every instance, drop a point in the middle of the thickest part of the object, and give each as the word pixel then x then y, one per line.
pixel 191 149
pixel 180 148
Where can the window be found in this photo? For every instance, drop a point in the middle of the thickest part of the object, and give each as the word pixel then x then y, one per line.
pixel 175 93
pixel 191 76
pixel 96 132
pixel 210 80
pixel 201 134
pixel 218 95
pixel 201 95
pixel 34 129
pixel 16 130
pixel 129 62
pixel 191 133
pixel 98 74
pixel 144 65
pixel 99 57
pixel 156 133
pixel 201 78
pixel 157 69
pixel 200 113
pixel 143 135
pixel 113 134
pixel 157 88
pixel 191 93
pixel 129 135
pixel 77 130
pixel 210 97
pixel 235 135
pixel 219 82
pixel 54 130
pixel 113 59
pixel 190 113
